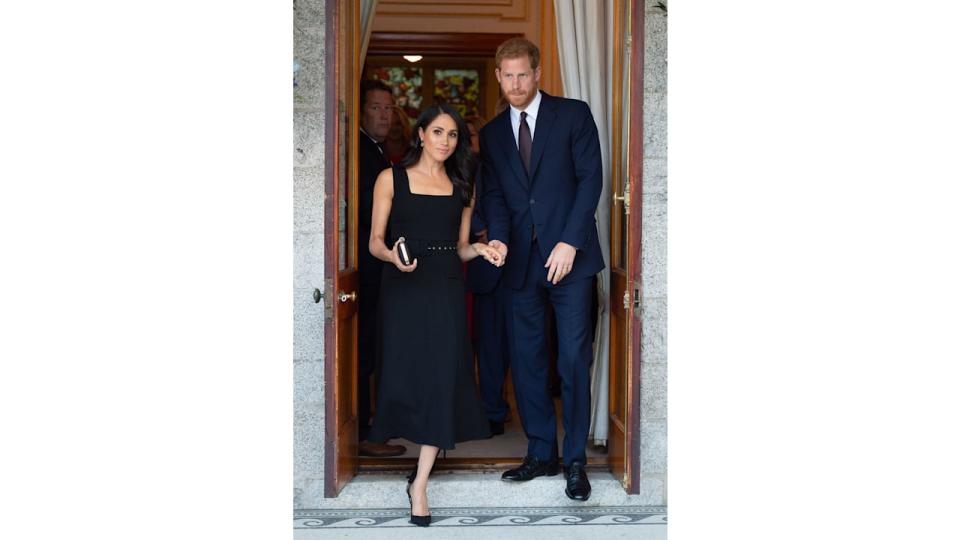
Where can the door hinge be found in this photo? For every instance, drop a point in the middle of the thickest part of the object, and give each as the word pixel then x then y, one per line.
pixel 636 298
pixel 328 311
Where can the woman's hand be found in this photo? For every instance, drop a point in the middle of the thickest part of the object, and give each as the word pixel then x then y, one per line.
pixel 395 258
pixel 491 255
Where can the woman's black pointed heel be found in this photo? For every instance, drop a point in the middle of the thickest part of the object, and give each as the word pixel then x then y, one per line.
pixel 419 521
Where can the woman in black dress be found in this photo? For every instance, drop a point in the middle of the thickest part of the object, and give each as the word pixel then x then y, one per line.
pixel 427 393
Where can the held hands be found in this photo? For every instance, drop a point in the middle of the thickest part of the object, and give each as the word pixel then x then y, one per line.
pixel 491 255
pixel 500 247
pixel 395 258
pixel 560 262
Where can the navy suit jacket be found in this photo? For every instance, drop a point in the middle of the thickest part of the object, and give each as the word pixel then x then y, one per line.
pixel 482 277
pixel 560 196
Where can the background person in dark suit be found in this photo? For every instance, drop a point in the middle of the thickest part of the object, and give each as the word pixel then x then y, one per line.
pixel 542 167
pixel 376 111
pixel 489 325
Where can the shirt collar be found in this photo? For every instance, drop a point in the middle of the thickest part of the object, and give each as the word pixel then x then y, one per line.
pixel 532 109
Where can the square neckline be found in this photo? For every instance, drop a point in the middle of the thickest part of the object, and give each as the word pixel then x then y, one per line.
pixel 410 191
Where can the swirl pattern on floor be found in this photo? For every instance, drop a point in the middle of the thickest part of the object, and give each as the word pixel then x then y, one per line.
pixel 452 517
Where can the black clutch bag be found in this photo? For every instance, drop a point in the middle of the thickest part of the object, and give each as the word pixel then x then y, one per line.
pixel 404 253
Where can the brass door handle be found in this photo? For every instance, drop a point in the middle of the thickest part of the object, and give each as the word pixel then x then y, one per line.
pixel 625 198
pixel 344 296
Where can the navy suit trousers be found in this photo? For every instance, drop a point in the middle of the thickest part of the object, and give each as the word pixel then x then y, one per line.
pixel 571 303
pixel 493 355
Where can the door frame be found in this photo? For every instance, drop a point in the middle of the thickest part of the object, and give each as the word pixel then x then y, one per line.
pixel 333 480
pixel 331 188
pixel 634 224
pixel 623 441
pixel 340 456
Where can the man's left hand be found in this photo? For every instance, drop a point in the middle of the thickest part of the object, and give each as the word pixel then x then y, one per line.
pixel 560 262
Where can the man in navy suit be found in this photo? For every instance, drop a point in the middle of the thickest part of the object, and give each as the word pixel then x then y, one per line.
pixel 543 175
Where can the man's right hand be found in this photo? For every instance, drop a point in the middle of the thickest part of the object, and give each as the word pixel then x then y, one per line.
pixel 500 247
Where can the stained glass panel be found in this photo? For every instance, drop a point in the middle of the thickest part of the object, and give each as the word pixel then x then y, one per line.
pixel 459 88
pixel 407 84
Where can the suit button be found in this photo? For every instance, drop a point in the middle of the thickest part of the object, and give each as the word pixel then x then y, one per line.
pixel 532 201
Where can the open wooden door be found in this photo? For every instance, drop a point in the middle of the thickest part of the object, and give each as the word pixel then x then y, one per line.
pixel 626 167
pixel 340 247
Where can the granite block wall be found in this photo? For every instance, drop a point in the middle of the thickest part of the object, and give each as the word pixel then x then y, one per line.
pixel 653 241
pixel 308 195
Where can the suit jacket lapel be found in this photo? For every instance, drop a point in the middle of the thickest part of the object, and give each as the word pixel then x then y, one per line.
pixel 374 148
pixel 547 116
pixel 510 149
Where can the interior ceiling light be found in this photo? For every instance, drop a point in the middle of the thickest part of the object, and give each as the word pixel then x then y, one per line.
pixel 412 57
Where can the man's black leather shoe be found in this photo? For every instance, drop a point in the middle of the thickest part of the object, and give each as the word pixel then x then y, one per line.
pixel 496 428
pixel 578 487
pixel 532 468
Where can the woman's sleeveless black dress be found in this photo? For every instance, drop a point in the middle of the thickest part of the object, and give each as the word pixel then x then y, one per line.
pixel 427 393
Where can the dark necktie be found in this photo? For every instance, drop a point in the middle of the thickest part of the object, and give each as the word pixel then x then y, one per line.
pixel 526 141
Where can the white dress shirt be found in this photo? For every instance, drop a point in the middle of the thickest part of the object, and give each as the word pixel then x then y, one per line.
pixel 532 110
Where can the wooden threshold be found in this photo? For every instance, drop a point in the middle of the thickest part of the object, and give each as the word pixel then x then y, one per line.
pixel 368 465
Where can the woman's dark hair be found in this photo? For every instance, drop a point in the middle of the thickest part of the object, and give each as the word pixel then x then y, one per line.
pixel 461 165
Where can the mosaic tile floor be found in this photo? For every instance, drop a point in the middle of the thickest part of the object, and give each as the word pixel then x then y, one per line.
pixel 487 517
pixel 483 502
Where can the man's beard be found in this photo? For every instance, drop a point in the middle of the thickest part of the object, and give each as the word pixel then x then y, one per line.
pixel 520 98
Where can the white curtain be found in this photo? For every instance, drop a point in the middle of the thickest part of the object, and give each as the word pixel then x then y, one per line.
pixel 367 8
pixel 584 37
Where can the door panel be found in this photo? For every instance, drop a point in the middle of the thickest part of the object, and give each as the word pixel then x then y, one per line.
pixel 346 398
pixel 626 161
pixel 616 445
pixel 340 218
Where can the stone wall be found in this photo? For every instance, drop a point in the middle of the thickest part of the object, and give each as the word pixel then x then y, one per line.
pixel 308 196
pixel 653 243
